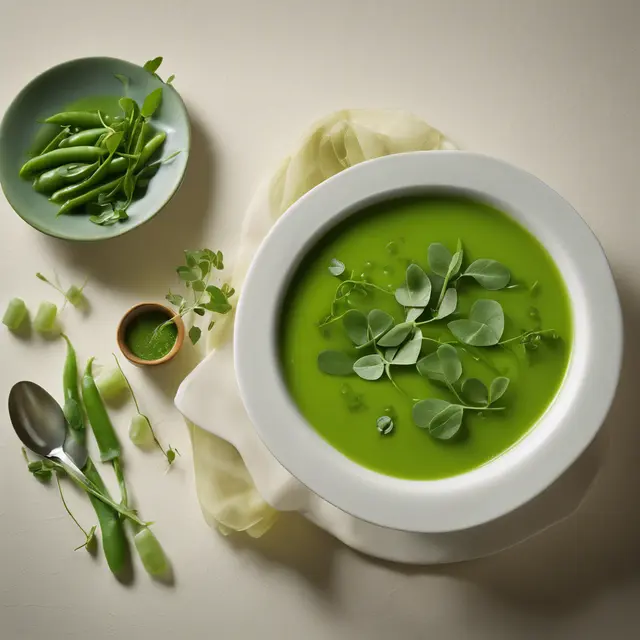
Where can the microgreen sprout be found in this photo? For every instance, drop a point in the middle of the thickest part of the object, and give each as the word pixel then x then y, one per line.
pixel 141 432
pixel 196 275
pixel 74 294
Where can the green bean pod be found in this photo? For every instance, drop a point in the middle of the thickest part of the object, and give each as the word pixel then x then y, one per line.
pixel 55 142
pixel 87 137
pixel 99 420
pixel 76 189
pixel 114 540
pixel 60 177
pixel 59 157
pixel 90 196
pixel 81 119
pixel 150 148
pixel 72 403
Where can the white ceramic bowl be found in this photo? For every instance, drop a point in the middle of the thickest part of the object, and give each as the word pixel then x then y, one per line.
pixel 514 477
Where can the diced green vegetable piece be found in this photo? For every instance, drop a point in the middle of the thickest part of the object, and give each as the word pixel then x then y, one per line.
pixel 140 431
pixel 15 314
pixel 45 320
pixel 151 553
pixel 74 295
pixel 111 383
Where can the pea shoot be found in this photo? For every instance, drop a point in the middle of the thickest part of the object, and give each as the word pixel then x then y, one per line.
pixel 196 275
pixel 425 299
pixel 73 294
pixel 43 470
pixel 141 432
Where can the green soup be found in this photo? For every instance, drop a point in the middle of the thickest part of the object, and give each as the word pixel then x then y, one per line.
pixel 378 244
pixel 149 337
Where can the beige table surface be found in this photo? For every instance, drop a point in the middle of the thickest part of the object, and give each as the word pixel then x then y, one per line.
pixel 550 85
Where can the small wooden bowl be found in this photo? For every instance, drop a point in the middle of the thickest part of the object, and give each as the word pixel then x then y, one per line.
pixel 134 312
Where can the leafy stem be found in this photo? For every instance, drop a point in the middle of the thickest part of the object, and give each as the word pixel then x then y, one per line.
pixel 90 535
pixel 166 454
pixel 196 275
pixel 528 336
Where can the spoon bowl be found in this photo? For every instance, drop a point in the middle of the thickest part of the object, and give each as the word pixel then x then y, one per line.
pixel 39 422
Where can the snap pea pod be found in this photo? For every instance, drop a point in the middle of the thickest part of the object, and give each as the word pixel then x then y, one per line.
pixel 59 157
pixel 99 420
pixel 57 178
pixel 90 196
pixel 48 182
pixel 81 119
pixel 103 430
pixel 87 137
pixel 114 541
pixel 72 404
pixel 55 142
pixel 76 189
pixel 150 148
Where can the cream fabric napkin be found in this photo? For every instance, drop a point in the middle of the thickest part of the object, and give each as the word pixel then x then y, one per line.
pixel 228 495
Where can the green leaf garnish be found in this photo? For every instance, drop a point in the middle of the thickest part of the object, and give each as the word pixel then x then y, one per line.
pixel 379 323
pixel 151 103
pixel 416 290
pixel 483 328
pixel 369 367
pixel 356 327
pixel 109 217
pixel 335 363
pixel 443 366
pixel 446 423
pixel 475 391
pixel 490 274
pixel 194 334
pixel 448 304
pixel 397 335
pixel 439 259
pixel 409 351
pixel 498 388
pixel 413 313
pixel 153 65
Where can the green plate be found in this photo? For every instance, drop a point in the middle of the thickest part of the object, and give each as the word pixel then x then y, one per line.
pixel 86 80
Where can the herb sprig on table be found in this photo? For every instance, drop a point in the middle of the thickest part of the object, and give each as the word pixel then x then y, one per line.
pixel 202 296
pixel 428 298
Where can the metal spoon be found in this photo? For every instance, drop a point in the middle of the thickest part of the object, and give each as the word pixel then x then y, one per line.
pixel 40 423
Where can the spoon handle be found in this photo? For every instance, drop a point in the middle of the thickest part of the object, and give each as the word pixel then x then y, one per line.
pixel 71 468
pixel 74 472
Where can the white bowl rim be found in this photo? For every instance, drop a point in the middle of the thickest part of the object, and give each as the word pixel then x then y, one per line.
pixel 533 463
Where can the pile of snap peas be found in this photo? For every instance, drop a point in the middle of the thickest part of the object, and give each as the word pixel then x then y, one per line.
pixel 112 520
pixel 96 163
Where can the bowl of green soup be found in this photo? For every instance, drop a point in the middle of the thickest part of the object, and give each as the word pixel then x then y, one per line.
pixel 428 340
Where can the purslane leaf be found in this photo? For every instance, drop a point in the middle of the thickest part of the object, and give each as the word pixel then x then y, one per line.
pixel 475 392
pixel 484 327
pixel 356 327
pixel 335 363
pixel 490 274
pixel 369 367
pixel 416 291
